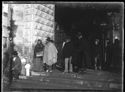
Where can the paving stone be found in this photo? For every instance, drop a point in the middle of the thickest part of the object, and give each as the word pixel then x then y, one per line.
pixel 57 80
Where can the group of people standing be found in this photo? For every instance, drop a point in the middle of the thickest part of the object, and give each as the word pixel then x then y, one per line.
pixel 45 56
pixel 75 54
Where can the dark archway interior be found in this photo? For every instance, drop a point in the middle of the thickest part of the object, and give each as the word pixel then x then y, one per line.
pixel 85 18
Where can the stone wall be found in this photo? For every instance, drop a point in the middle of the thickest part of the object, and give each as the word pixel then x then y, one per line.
pixel 34 21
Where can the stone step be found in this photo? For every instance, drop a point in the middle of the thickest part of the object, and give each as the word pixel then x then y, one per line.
pixel 76 83
pixel 58 80
pixel 86 75
pixel 49 84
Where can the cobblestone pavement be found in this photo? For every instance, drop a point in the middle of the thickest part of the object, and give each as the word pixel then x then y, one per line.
pixel 90 80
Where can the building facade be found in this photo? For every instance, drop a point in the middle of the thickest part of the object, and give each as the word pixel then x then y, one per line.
pixel 33 21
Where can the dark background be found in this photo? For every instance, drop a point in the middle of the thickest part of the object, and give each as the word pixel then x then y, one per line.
pixel 87 19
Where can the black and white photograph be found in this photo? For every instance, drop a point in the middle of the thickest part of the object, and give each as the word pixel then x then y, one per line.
pixel 53 46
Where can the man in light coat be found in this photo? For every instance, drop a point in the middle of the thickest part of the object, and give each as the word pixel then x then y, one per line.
pixel 50 54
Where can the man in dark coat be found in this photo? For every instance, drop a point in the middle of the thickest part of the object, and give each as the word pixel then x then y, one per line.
pixel 108 54
pixel 97 55
pixel 117 53
pixel 67 54
pixel 83 52
pixel 16 65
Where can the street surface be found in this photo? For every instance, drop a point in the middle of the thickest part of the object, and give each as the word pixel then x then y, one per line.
pixel 90 80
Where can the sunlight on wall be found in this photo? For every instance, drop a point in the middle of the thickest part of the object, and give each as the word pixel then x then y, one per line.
pixel 34 21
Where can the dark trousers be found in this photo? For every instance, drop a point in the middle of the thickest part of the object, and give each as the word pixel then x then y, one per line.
pixel 84 59
pixel 47 67
pixel 81 60
pixel 16 73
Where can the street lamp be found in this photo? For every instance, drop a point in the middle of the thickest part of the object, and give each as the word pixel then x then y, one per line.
pixel 11 47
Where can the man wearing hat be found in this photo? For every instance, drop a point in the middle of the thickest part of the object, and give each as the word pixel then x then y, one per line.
pixel 83 52
pixel 16 65
pixel 50 54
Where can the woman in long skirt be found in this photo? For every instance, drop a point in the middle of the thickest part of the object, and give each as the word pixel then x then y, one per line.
pixel 38 57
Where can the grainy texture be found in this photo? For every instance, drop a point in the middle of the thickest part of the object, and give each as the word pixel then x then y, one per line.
pixel 90 80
